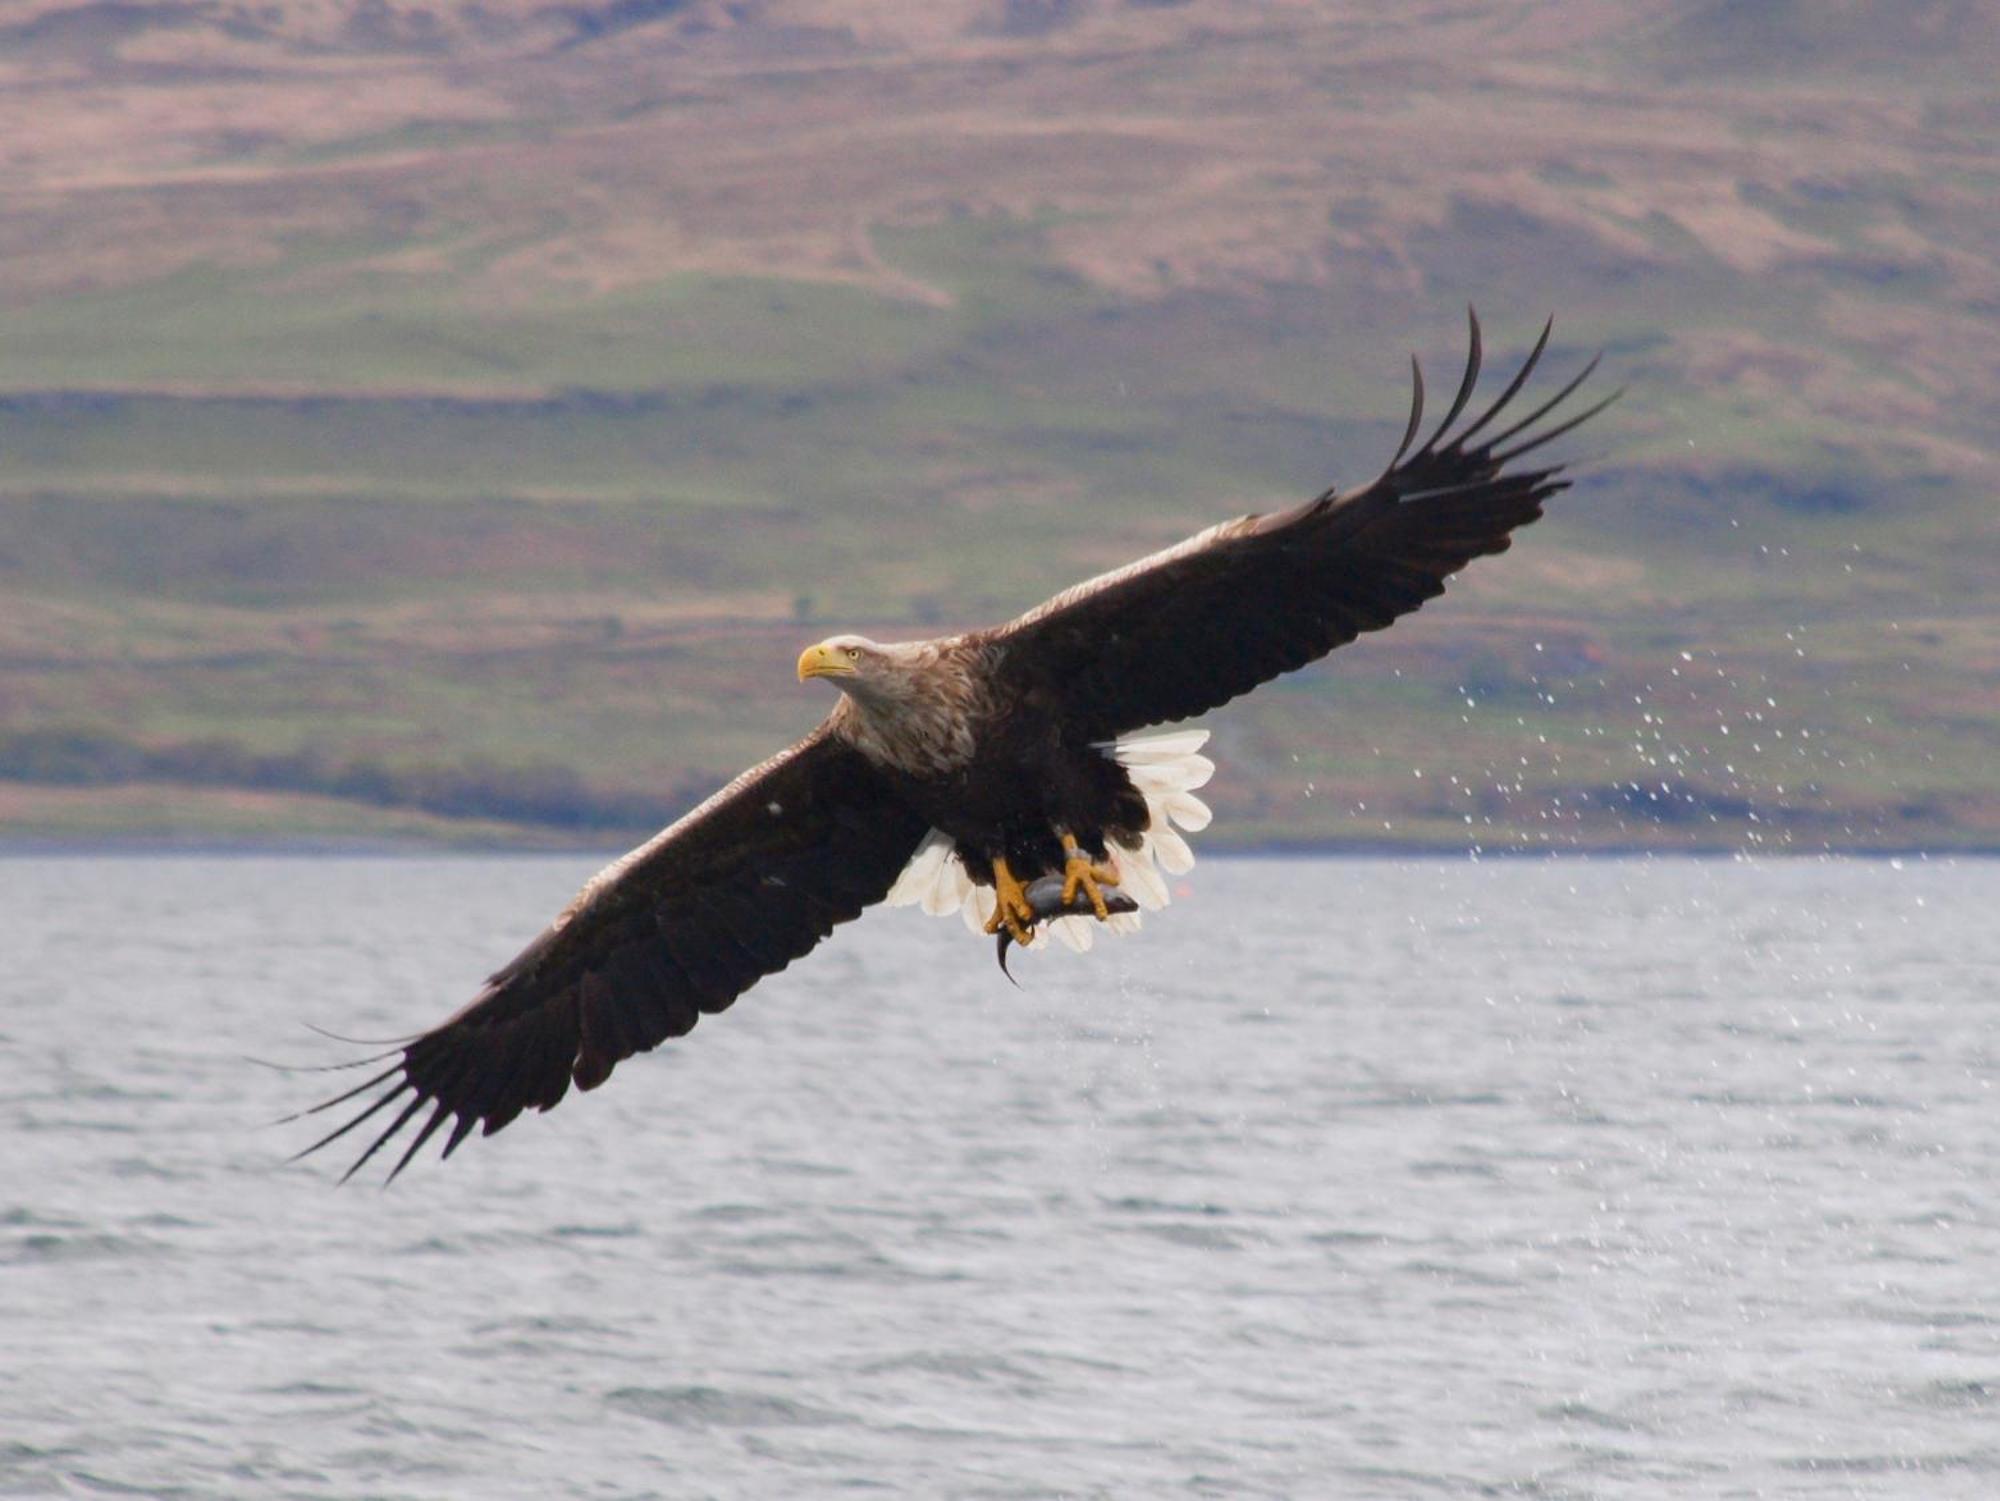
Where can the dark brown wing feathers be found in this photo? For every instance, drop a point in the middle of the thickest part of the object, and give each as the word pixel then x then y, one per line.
pixel 1192 627
pixel 737 890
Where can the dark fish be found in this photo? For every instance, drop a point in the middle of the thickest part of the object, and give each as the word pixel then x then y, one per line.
pixel 1045 899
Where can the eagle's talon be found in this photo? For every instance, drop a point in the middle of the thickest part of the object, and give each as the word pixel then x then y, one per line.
pixel 1081 872
pixel 1011 908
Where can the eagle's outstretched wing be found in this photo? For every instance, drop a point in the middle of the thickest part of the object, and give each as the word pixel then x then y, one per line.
pixel 736 890
pixel 1187 629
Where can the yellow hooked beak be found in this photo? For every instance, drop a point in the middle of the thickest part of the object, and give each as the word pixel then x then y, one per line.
pixel 825 661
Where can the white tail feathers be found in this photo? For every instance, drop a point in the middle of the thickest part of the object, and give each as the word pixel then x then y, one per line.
pixel 1166 769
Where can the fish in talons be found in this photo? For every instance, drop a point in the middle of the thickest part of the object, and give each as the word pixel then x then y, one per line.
pixel 1045 900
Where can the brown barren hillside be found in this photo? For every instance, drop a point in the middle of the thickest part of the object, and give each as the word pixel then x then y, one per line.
pixel 457 415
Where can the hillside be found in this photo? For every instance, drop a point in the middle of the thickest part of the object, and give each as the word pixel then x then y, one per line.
pixel 447 422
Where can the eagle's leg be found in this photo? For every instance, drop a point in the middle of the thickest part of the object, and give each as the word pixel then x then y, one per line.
pixel 1080 871
pixel 1011 908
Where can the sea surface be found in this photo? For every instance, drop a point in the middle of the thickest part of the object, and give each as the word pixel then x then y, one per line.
pixel 1345 1179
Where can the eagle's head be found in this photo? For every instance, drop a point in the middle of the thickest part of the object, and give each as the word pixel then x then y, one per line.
pixel 907 703
pixel 874 672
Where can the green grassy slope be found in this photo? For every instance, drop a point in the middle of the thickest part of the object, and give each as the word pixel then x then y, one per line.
pixel 467 453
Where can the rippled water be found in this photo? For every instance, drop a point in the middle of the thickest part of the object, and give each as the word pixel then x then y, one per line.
pixel 1345 1179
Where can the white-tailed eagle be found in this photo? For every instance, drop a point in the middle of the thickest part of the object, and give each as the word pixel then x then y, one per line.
pixel 964 773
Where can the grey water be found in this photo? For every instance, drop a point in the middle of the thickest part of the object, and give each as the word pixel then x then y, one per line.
pixel 1344 1179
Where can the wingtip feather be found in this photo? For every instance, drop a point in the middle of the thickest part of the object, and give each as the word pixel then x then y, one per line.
pixel 1473 358
pixel 1520 379
pixel 1548 406
pixel 1416 411
pixel 1557 431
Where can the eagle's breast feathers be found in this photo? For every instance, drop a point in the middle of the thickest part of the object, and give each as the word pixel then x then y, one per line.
pixel 922 709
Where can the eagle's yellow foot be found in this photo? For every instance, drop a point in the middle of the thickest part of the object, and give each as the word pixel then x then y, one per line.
pixel 1079 871
pixel 1010 906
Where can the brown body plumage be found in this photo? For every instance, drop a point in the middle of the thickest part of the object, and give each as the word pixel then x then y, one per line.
pixel 981 748
pixel 998 742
